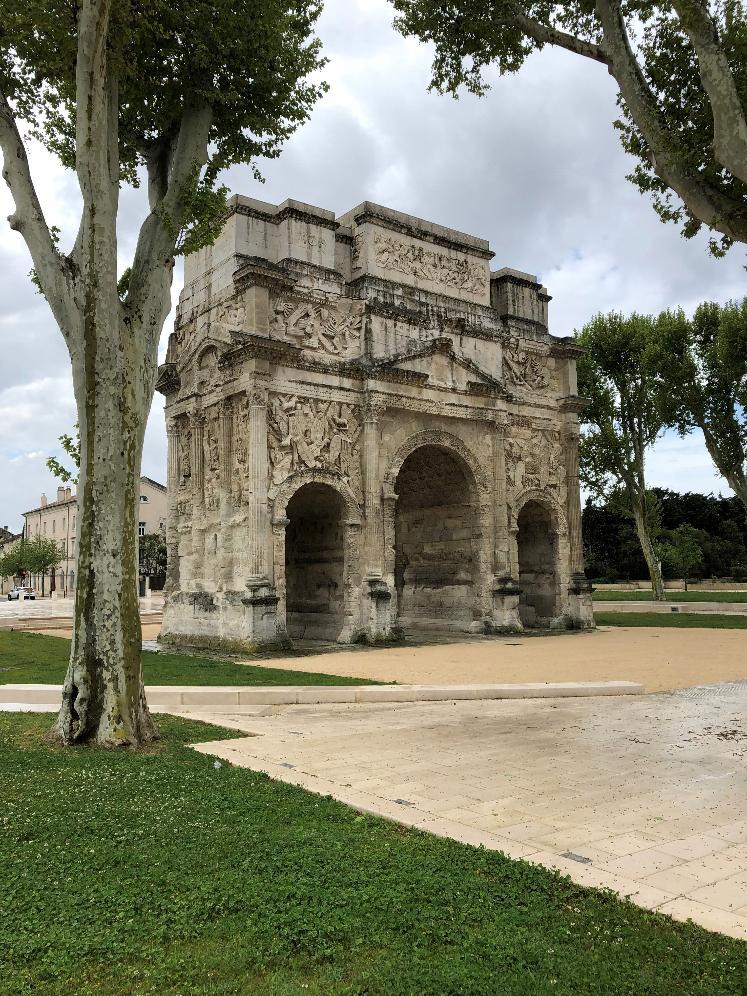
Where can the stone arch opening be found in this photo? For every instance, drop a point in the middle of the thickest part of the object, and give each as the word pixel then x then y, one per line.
pixel 436 540
pixel 314 563
pixel 537 546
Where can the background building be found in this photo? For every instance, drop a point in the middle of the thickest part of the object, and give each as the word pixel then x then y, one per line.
pixel 57 520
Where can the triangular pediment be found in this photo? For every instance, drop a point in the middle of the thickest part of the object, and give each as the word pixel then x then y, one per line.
pixel 440 364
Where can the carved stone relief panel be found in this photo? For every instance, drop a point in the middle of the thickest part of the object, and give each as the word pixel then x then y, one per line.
pixel 525 368
pixel 212 460
pixel 206 373
pixel 311 434
pixel 318 325
pixel 230 316
pixel 416 261
pixel 185 458
pixel 534 461
pixel 239 476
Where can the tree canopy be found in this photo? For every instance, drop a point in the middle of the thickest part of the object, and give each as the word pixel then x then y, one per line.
pixel 624 417
pixel 681 71
pixel 705 368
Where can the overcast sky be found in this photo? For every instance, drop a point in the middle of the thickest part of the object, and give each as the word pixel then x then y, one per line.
pixel 535 167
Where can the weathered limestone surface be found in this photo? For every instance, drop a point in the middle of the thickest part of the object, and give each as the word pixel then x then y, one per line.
pixel 369 431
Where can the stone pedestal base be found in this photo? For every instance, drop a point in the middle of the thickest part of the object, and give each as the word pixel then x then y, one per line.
pixel 377 610
pixel 580 605
pixel 233 621
pixel 505 618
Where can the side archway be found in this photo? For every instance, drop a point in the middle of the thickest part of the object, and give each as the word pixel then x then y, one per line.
pixel 540 531
pixel 316 530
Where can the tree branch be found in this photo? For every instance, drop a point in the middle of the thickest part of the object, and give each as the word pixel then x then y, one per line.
pixel 729 124
pixel 171 177
pixel 546 34
pixel 55 277
pixel 96 138
pixel 701 199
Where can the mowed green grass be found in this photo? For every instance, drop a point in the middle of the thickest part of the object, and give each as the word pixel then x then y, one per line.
pixel 675 620
pixel 153 873
pixel 672 596
pixel 27 658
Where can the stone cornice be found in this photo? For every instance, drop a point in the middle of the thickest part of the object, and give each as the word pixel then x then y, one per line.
pixel 573 404
pixel 566 349
pixel 256 270
pixel 276 217
pixel 167 379
pixel 251 344
pixel 298 214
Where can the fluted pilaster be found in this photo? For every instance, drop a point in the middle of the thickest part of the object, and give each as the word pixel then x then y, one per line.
pixel 575 537
pixel 373 539
pixel 501 558
pixel 257 510
pixel 198 456
pixel 225 442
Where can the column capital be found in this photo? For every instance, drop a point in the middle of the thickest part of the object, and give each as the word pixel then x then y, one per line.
pixel 257 397
pixel 373 409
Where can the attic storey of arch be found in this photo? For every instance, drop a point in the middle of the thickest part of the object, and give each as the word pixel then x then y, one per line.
pixel 681 71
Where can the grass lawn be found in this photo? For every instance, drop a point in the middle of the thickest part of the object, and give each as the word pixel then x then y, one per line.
pixel 678 620
pixel 33 657
pixel 672 596
pixel 158 873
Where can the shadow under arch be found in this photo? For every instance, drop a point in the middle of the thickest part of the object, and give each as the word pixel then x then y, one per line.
pixel 539 526
pixel 433 532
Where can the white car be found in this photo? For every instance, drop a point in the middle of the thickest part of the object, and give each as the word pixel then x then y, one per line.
pixel 22 590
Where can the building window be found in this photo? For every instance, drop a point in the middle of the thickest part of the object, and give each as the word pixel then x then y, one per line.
pixel 143 498
pixel 73 522
pixel 45 528
pixel 141 529
pixel 54 526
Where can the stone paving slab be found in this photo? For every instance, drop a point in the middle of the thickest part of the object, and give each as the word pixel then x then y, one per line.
pixel 645 795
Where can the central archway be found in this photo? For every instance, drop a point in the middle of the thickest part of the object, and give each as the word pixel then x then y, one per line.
pixel 314 563
pixel 436 556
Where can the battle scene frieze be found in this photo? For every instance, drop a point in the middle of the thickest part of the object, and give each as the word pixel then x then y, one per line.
pixel 313 433
pixel 319 325
pixel 416 261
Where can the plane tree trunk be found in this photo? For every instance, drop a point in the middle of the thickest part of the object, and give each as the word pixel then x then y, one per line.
pixel 649 554
pixel 103 697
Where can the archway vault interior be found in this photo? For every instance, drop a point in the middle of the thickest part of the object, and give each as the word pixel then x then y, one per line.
pixel 314 563
pixel 435 544
pixel 537 548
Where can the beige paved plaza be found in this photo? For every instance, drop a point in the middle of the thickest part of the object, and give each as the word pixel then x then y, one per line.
pixel 659 659
pixel 646 795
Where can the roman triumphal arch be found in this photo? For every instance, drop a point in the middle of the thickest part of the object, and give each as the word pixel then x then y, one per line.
pixel 369 432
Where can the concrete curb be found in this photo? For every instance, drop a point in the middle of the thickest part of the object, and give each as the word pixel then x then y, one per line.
pixel 176 696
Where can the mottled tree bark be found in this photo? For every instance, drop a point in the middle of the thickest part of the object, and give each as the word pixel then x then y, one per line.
pixel 649 554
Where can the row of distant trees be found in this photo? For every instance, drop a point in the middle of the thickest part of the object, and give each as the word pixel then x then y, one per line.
pixel 39 555
pixel 31 556
pixel 644 374
pixel 695 536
